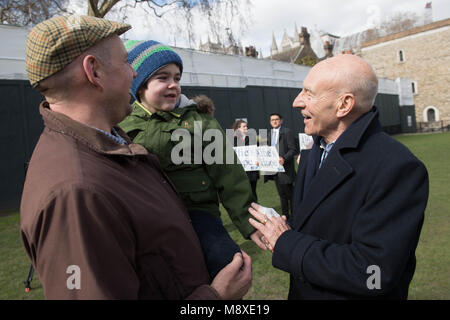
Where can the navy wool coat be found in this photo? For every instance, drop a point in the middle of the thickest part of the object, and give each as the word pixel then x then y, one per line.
pixel 362 211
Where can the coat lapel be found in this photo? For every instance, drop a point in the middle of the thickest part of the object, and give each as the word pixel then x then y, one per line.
pixel 300 180
pixel 333 172
pixel 280 135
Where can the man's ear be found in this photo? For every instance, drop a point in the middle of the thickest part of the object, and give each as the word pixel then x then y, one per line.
pixel 345 105
pixel 91 68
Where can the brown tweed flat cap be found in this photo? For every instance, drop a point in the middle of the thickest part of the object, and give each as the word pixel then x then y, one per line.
pixel 54 43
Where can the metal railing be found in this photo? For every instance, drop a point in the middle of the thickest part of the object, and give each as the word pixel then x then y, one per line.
pixel 434 126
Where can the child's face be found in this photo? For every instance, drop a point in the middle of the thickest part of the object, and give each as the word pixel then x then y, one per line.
pixel 162 91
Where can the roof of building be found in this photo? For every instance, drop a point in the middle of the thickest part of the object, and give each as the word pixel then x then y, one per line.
pixel 287 56
pixel 295 54
pixel 416 30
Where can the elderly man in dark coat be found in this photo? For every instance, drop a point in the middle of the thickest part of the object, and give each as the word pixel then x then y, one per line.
pixel 359 197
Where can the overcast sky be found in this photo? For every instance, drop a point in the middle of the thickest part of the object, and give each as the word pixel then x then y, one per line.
pixel 338 17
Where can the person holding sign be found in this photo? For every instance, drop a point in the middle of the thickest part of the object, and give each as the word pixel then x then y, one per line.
pixel 240 128
pixel 359 197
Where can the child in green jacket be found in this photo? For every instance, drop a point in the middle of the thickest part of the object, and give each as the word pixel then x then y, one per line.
pixel 159 110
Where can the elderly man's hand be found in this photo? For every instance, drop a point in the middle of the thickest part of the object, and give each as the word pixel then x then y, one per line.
pixel 270 228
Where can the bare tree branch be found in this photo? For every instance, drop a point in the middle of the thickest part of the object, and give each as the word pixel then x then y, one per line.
pixel 226 18
pixel 29 12
pixel 106 7
pixel 93 8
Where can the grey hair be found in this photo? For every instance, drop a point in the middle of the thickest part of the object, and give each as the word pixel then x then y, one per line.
pixel 366 88
pixel 362 82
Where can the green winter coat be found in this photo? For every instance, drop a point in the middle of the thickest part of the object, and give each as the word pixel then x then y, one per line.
pixel 201 186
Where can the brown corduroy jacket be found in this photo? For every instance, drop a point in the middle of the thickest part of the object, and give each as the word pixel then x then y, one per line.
pixel 100 220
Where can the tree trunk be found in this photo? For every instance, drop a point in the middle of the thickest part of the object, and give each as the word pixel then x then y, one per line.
pixel 99 11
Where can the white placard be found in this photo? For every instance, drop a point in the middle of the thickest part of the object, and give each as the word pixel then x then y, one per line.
pixel 268 159
pixel 248 157
pixel 305 141
pixel 263 158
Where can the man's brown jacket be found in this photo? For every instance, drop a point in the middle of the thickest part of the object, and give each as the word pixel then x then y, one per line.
pixel 100 220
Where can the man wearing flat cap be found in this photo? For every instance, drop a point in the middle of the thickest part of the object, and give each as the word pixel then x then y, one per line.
pixel 99 219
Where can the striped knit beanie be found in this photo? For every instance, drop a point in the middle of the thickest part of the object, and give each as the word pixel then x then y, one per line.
pixel 147 57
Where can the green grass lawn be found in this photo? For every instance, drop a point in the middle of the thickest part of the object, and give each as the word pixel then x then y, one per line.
pixel 14 263
pixel 432 277
pixel 431 280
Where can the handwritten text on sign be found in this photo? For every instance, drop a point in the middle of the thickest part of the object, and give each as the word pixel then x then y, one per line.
pixel 263 158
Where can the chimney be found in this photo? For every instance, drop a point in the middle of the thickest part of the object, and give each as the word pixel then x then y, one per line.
pixel 251 52
pixel 328 47
pixel 304 37
pixel 428 14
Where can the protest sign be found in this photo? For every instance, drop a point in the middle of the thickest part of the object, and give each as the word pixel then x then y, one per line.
pixel 248 157
pixel 305 141
pixel 263 158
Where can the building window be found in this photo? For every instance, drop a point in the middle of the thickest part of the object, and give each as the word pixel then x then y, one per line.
pixel 430 114
pixel 414 87
pixel 409 120
pixel 401 56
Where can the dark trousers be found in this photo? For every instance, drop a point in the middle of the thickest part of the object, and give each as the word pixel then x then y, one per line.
pixel 253 185
pixel 285 192
pixel 217 245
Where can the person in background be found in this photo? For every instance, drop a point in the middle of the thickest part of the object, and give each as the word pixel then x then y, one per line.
pixel 240 128
pixel 283 139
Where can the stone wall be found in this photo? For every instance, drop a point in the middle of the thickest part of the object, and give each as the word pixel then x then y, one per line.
pixel 426 54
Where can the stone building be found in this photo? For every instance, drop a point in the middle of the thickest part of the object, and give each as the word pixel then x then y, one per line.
pixel 217 47
pixel 296 49
pixel 421 54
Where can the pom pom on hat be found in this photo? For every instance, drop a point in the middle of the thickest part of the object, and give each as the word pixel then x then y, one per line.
pixel 147 57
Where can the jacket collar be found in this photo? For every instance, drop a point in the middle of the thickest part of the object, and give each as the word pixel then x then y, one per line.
pixel 87 135
pixel 184 102
pixel 351 137
pixel 140 111
pixel 334 171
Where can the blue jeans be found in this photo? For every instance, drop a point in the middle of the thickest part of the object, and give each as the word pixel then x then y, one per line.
pixel 218 247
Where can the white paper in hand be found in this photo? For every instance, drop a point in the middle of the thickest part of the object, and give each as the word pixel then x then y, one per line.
pixel 269 212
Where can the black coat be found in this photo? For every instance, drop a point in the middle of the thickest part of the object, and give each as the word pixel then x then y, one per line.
pixel 364 207
pixel 287 149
